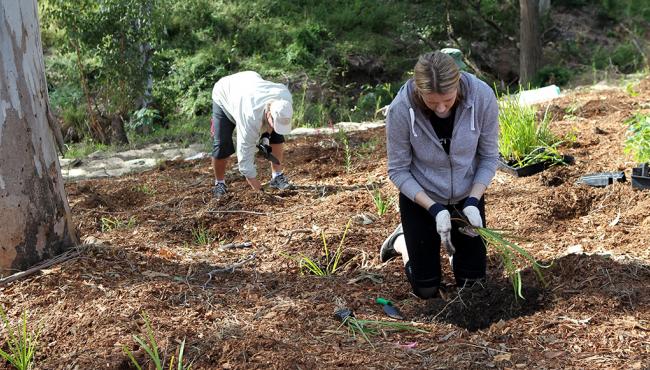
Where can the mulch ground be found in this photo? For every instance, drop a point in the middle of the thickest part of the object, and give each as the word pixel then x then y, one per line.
pixel 154 247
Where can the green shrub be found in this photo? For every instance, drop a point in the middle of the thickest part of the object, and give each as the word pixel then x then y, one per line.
pixel 627 58
pixel 638 139
pixel 552 75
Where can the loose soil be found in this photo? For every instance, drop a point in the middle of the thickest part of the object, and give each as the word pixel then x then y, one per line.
pixel 243 308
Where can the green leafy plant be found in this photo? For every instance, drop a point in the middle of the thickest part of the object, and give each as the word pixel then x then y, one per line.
pixel 22 344
pixel 111 223
pixel 638 140
pixel 382 204
pixel 144 117
pixel 629 89
pixel 522 139
pixel 330 261
pixel 150 347
pixel 367 328
pixel 509 252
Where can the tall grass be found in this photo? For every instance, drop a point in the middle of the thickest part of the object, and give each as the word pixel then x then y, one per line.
pixel 523 138
pixel 21 343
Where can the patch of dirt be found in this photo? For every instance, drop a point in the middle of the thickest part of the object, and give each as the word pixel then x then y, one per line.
pixel 251 307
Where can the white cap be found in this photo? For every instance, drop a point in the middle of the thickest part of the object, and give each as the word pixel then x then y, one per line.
pixel 281 113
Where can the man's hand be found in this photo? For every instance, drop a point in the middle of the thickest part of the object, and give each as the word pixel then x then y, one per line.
pixel 443 225
pixel 254 183
pixel 470 210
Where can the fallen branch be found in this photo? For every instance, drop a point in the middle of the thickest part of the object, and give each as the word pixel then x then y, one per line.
pixel 70 254
pixel 230 268
pixel 239 211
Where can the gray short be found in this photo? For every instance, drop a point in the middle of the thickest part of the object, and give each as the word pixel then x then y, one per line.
pixel 221 128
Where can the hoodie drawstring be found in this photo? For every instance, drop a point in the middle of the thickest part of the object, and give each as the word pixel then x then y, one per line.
pixel 412 114
pixel 471 114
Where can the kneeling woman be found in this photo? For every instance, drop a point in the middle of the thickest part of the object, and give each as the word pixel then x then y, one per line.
pixel 442 142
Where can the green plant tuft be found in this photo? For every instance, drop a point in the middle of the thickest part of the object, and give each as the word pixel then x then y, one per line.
pixel 21 344
pixel 331 261
pixel 151 348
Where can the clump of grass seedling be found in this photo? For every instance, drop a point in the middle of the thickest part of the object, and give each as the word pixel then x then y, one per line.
pixel 382 204
pixel 331 261
pixel 522 139
pixel 21 344
pixel 202 236
pixel 150 346
pixel 144 189
pixel 367 328
pixel 111 223
pixel 347 151
pixel 509 252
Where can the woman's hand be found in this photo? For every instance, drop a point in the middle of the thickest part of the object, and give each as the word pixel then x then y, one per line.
pixel 443 226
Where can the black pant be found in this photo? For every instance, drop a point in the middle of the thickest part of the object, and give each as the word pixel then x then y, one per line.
pixel 423 245
pixel 221 129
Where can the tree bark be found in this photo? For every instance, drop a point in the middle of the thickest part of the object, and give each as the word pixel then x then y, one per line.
pixel 35 219
pixel 530 46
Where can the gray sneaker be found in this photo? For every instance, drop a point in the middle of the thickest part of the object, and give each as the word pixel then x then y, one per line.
pixel 280 182
pixel 387 250
pixel 219 190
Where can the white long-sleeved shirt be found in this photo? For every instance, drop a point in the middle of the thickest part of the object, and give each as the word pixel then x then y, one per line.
pixel 243 96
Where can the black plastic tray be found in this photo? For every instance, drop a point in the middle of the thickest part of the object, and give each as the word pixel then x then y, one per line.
pixel 641 177
pixel 531 169
pixel 601 179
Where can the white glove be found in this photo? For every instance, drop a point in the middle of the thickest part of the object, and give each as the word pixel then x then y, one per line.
pixel 443 226
pixel 474 217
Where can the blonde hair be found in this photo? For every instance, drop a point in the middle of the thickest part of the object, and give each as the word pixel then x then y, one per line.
pixel 435 72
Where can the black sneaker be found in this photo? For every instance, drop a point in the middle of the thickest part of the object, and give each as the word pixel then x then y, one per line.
pixel 280 182
pixel 387 250
pixel 219 190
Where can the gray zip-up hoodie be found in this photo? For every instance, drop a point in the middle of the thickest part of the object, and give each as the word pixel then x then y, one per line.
pixel 418 162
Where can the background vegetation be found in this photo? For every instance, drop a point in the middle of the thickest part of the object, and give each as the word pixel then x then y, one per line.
pixel 150 65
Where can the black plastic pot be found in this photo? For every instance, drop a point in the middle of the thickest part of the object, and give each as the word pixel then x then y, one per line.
pixel 531 169
pixel 641 177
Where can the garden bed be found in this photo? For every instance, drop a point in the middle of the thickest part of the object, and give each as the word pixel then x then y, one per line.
pixel 160 254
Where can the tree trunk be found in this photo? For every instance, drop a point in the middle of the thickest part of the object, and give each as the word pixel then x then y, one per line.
pixel 35 219
pixel 117 128
pixel 530 46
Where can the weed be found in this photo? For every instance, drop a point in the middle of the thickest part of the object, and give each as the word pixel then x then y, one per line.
pixel 111 223
pixel 22 345
pixel 331 261
pixel 151 348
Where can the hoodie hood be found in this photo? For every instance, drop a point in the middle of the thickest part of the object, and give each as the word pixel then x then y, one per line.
pixel 416 159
